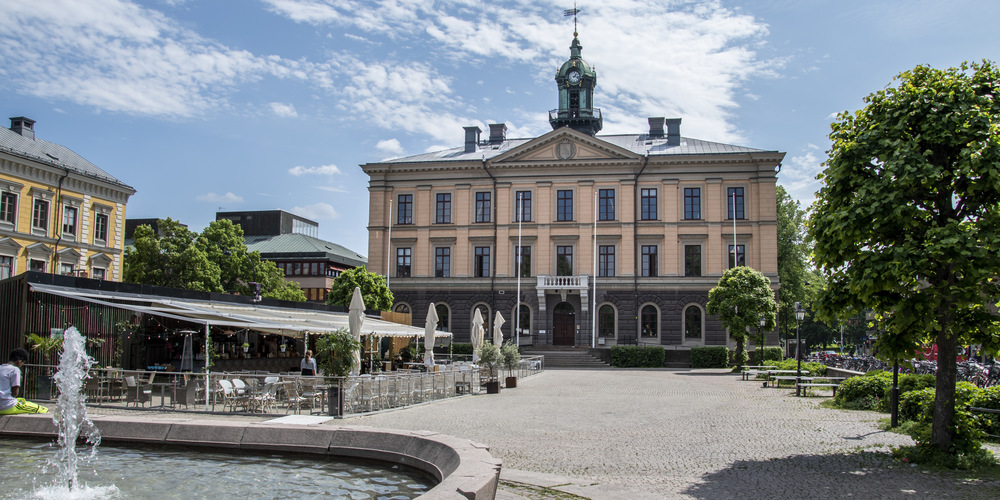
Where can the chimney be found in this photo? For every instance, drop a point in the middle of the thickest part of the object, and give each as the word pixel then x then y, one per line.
pixel 656 126
pixel 498 133
pixel 673 132
pixel 472 138
pixel 23 126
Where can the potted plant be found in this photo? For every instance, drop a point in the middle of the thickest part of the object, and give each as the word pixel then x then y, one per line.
pixel 489 357
pixel 246 347
pixel 511 358
pixel 47 347
pixel 335 357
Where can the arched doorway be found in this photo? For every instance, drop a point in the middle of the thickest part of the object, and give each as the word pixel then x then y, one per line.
pixel 563 324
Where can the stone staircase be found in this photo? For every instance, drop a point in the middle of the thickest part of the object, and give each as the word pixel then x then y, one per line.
pixel 557 357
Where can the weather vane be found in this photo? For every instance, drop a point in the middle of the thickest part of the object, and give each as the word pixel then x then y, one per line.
pixel 572 12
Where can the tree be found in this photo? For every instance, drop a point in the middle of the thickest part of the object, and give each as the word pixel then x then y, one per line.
pixel 335 352
pixel 793 251
pixel 907 223
pixel 374 290
pixel 741 297
pixel 214 261
pixel 170 259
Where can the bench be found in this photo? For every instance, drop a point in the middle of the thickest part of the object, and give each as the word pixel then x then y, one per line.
pixel 832 386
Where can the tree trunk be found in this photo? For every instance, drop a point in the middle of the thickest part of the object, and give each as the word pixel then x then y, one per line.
pixel 944 395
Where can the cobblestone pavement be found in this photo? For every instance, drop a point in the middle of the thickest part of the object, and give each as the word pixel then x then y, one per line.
pixel 612 434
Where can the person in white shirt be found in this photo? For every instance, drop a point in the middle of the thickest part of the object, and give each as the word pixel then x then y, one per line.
pixel 308 364
pixel 10 386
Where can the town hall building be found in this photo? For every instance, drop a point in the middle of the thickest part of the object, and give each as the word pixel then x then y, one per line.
pixel 576 238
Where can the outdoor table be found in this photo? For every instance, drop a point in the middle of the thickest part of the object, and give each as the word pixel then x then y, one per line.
pixel 778 378
pixel 163 387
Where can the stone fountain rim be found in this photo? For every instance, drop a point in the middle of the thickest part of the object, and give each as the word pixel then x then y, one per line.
pixel 464 469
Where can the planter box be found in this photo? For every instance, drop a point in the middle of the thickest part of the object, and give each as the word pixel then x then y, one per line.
pixel 510 382
pixel 493 387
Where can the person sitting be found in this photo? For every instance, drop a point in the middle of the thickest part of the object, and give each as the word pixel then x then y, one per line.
pixel 10 386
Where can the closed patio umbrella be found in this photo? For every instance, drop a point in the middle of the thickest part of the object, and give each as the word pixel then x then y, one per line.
pixel 429 327
pixel 498 321
pixel 477 334
pixel 355 319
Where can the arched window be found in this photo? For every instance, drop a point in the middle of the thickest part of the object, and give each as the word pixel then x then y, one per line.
pixel 487 319
pixel 525 322
pixel 649 321
pixel 444 316
pixel 606 324
pixel 402 307
pixel 693 325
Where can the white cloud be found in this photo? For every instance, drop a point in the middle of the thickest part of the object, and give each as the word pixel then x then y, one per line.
pixel 333 189
pixel 390 146
pixel 316 211
pixel 284 110
pixel 798 174
pixel 119 56
pixel 322 170
pixel 220 198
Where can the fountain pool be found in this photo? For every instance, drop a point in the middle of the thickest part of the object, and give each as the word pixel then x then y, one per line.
pixel 157 472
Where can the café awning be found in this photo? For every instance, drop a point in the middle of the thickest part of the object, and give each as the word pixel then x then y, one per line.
pixel 290 322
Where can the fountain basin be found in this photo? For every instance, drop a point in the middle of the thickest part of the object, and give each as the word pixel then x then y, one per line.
pixel 463 469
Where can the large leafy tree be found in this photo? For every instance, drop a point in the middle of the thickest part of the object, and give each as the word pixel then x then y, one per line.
pixel 742 296
pixel 374 290
pixel 214 261
pixel 793 254
pixel 170 258
pixel 907 223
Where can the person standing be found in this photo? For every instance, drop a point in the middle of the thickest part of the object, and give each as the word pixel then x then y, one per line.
pixel 10 386
pixel 308 364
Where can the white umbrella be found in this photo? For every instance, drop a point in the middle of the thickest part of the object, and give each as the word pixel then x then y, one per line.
pixel 497 332
pixel 429 327
pixel 356 318
pixel 477 334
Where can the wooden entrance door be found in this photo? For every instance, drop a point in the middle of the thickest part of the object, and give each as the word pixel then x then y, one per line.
pixel 563 324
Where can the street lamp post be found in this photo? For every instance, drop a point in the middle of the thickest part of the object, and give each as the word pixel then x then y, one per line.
pixel 800 314
pixel 763 323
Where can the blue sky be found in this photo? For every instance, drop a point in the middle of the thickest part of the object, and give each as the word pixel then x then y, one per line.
pixel 265 104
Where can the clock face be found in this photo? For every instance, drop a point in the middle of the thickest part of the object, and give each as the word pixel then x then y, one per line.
pixel 573 77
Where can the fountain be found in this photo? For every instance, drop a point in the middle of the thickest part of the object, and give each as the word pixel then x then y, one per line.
pixel 71 418
pixel 459 467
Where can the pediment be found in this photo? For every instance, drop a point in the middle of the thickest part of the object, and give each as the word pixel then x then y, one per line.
pixel 9 246
pixel 564 145
pixel 100 260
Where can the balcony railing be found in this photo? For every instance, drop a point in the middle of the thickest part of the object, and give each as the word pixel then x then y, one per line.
pixel 563 282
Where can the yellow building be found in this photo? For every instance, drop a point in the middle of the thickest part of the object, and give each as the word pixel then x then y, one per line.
pixel 59 213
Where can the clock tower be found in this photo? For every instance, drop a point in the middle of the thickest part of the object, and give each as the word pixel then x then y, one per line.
pixel 576 81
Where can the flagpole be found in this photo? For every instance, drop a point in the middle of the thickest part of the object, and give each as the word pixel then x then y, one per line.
pixel 388 246
pixel 593 298
pixel 517 313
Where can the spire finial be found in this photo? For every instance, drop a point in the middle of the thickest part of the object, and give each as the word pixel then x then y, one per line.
pixel 572 12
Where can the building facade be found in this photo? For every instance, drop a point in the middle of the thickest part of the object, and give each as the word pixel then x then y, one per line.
pixel 575 238
pixel 59 213
pixel 291 242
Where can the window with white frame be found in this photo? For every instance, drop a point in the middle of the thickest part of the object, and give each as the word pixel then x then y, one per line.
pixel 649 321
pixel 99 273
pixel 693 324
pixel 6 267
pixel 69 222
pixel 40 216
pixel 101 229
pixel 8 208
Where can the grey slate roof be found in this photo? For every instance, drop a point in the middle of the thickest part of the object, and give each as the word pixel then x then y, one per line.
pixel 303 246
pixel 637 143
pixel 55 155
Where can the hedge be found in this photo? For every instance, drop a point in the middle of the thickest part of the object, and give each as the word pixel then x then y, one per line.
pixel 638 357
pixel 710 357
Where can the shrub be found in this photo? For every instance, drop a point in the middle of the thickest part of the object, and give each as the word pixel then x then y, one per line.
pixel 918 406
pixel 638 357
pixel 770 354
pixel 813 369
pixel 908 382
pixel 988 397
pixel 709 357
pixel 461 348
pixel 863 393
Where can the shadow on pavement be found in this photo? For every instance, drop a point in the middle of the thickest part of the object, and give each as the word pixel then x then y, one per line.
pixel 854 475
